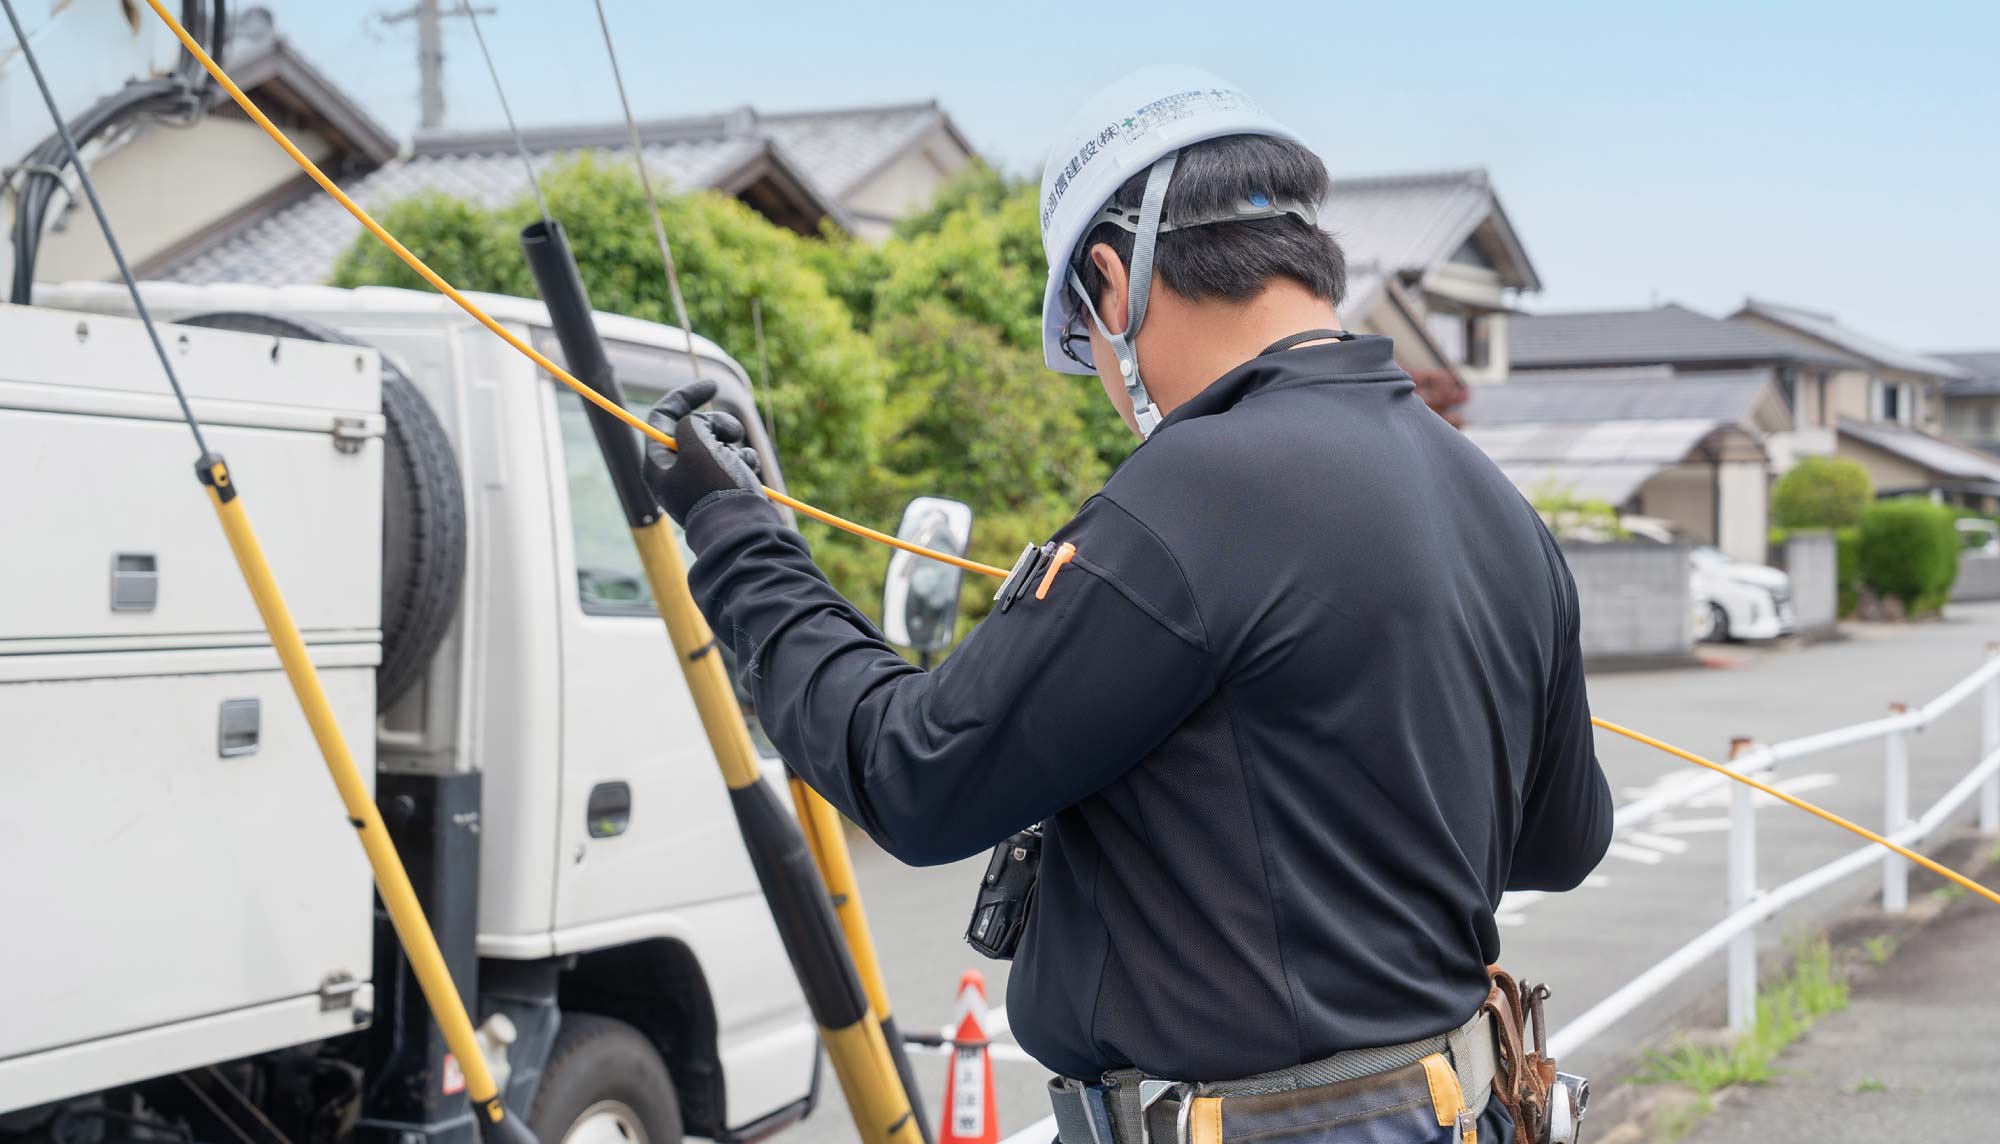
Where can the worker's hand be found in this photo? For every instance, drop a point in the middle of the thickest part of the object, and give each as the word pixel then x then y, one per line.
pixel 712 461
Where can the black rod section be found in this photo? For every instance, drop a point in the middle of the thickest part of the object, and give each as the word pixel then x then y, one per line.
pixel 561 286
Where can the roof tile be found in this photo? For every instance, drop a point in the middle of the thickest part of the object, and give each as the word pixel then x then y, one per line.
pixel 1670 334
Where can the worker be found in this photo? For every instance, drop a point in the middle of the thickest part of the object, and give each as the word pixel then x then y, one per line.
pixel 1298 694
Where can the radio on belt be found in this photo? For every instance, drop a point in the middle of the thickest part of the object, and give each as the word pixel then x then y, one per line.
pixel 1000 910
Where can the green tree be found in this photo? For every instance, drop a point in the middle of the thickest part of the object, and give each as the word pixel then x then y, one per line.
pixel 906 367
pixel 1572 517
pixel 977 251
pixel 1821 492
pixel 1909 549
pixel 828 383
pixel 974 420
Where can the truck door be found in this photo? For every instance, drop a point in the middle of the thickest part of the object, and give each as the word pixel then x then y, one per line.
pixel 646 824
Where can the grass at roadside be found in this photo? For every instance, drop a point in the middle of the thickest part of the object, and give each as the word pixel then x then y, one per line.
pixel 1785 1009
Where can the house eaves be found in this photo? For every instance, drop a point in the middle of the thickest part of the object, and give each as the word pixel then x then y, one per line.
pixel 1664 335
pixel 905 126
pixel 1950 464
pixel 1412 223
pixel 1825 329
pixel 1981 374
pixel 770 165
pixel 278 74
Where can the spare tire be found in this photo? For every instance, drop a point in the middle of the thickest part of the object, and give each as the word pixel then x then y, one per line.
pixel 423 511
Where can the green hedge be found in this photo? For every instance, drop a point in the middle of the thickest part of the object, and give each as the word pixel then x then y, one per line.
pixel 1821 492
pixel 1847 568
pixel 1909 549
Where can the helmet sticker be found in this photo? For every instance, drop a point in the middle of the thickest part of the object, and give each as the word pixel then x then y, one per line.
pixel 1133 127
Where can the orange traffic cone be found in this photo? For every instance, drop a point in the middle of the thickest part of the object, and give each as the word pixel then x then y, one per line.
pixel 970 1115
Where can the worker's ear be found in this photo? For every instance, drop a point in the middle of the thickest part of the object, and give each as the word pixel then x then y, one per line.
pixel 1112 305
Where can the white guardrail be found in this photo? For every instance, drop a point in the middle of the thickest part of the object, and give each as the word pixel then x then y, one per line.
pixel 1749 906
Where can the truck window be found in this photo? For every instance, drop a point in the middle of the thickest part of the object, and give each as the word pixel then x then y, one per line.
pixel 610 581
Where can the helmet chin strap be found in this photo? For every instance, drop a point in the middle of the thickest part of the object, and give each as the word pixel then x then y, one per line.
pixel 1140 288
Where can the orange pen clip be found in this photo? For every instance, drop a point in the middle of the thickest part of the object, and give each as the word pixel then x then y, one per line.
pixel 1063 555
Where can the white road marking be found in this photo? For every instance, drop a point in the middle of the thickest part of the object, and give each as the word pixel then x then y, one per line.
pixel 1689 826
pixel 1656 842
pixel 1632 853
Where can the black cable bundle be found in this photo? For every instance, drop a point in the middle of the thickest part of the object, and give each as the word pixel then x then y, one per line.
pixel 181 97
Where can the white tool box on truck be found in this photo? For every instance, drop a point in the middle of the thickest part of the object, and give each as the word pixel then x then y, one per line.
pixel 164 815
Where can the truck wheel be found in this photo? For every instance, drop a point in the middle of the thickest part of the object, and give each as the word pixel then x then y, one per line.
pixel 423 511
pixel 605 1084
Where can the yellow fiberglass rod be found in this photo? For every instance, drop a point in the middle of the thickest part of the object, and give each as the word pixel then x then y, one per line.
pixel 1937 868
pixel 416 264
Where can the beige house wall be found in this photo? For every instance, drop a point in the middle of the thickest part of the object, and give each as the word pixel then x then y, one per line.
pixel 1848 390
pixel 165 185
pixel 1688 495
pixel 1884 470
pixel 904 186
pixel 1412 350
pixel 1684 496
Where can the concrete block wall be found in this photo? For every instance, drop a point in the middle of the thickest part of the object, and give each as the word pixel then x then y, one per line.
pixel 1814 566
pixel 1978 578
pixel 1634 602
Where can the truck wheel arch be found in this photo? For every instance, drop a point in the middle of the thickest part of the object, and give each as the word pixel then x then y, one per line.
pixel 658 987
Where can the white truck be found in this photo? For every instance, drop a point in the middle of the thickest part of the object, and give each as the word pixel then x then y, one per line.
pixel 190 951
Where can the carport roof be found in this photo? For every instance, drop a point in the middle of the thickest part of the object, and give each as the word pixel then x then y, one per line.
pixel 1607 460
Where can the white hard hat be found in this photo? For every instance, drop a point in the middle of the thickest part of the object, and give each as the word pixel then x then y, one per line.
pixel 1126 128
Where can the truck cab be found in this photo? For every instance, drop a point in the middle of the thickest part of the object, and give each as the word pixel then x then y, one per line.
pixel 199 923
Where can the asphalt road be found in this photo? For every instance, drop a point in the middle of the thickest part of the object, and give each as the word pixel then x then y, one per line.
pixel 1653 892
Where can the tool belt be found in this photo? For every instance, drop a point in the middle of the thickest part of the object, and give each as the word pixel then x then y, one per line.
pixel 1434 1089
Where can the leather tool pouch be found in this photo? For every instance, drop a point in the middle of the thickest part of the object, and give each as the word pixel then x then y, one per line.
pixel 1006 893
pixel 1524 1076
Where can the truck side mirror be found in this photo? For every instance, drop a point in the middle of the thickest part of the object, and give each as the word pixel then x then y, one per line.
pixel 920 596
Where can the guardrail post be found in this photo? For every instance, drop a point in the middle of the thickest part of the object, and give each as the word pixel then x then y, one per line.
pixel 1895 813
pixel 1742 890
pixel 1989 742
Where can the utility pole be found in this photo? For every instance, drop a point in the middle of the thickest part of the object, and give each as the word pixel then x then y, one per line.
pixel 430 55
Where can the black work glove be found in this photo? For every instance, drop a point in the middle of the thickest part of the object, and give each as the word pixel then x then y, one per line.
pixel 712 460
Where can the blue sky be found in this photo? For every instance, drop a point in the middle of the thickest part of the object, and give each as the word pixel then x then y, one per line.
pixel 1838 156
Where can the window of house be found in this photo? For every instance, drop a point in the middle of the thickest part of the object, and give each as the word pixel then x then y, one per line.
pixel 1452 333
pixel 1884 400
pixel 1906 403
pixel 1983 419
pixel 1479 341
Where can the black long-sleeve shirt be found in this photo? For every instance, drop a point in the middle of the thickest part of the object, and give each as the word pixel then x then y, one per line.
pixel 1305 702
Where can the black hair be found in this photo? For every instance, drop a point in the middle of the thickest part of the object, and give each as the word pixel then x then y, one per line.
pixel 1231 261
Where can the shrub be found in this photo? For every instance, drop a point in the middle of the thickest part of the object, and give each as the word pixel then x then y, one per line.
pixel 1909 549
pixel 1847 568
pixel 1571 517
pixel 1821 492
